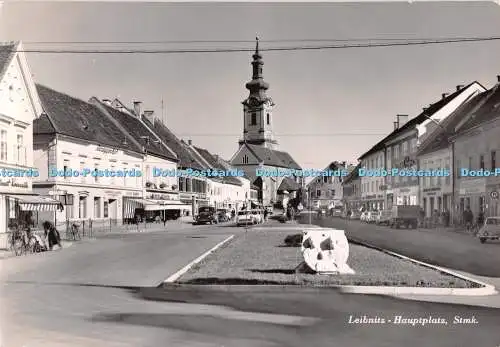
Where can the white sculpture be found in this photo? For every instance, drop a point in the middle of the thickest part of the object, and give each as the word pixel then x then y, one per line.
pixel 326 250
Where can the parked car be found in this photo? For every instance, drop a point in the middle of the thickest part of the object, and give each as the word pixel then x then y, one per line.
pixel 405 215
pixel 336 212
pixel 490 230
pixel 245 218
pixel 355 215
pixel 206 215
pixel 363 216
pixel 223 215
pixel 371 216
pixel 258 215
pixel 383 217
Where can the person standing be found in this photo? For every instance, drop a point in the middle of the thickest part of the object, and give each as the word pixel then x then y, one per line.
pixel 52 235
pixel 265 214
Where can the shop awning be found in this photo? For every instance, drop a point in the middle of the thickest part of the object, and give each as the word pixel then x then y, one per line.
pixel 36 203
pixel 147 205
pixel 178 207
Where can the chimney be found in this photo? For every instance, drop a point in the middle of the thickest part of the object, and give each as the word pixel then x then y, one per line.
pixel 396 125
pixel 190 142
pixel 444 95
pixel 137 108
pixel 402 119
pixel 107 102
pixel 149 115
pixel 459 87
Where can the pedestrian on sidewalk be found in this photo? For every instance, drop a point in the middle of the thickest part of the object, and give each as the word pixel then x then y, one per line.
pixel 468 218
pixel 51 233
pixel 265 214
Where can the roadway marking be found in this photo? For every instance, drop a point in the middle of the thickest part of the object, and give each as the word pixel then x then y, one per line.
pixel 186 268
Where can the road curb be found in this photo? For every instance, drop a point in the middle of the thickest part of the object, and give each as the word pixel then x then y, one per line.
pixel 186 268
pixel 485 289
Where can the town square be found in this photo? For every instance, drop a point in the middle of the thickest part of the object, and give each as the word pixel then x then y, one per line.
pixel 249 174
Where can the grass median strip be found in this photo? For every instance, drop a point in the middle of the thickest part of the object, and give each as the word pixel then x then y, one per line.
pixel 263 258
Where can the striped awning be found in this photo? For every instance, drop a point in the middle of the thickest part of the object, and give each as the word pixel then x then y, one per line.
pixel 36 203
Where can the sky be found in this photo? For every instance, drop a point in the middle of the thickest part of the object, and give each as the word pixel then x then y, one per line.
pixel 330 104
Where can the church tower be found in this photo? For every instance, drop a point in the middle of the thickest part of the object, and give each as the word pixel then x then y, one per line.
pixel 258 108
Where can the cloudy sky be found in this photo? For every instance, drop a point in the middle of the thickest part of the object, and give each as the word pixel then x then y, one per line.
pixel 331 104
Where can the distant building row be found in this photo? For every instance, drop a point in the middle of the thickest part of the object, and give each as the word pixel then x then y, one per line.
pixel 459 131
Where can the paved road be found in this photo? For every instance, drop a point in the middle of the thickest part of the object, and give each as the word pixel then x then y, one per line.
pixel 105 293
pixel 443 248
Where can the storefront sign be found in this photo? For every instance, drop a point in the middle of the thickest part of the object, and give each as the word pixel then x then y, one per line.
pixel 106 150
pixel 428 190
pixel 474 186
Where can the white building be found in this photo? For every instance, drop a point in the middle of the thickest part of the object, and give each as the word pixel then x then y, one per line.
pixel 436 153
pixel 19 106
pixel 373 187
pixel 159 190
pixel 76 136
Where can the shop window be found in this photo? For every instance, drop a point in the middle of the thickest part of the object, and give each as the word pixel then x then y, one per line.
pixel 106 209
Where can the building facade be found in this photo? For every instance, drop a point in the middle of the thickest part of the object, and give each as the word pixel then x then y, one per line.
pixel 19 107
pixel 74 137
pixel 326 192
pixel 351 187
pixel 476 145
pixel 373 189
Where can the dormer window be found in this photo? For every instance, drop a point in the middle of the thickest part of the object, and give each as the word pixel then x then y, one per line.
pixel 253 121
pixel 245 159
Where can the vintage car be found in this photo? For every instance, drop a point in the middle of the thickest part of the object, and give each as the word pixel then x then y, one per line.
pixel 383 217
pixel 490 230
pixel 245 217
pixel 206 215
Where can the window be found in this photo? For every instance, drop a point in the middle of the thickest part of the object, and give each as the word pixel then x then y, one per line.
pixel 82 207
pixel 20 154
pixel 97 207
pixel 3 145
pixel 493 160
pixel 254 119
pixel 65 168
pixel 106 209
pixel 395 152
pixel 268 119
pixel 325 179
pixel 333 192
pixel 470 163
pixel 112 178
pixel 245 159
pixel 96 175
pixel 481 161
pixel 405 148
pixel 318 193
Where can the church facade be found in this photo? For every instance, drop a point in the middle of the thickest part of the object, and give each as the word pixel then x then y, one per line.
pixel 258 149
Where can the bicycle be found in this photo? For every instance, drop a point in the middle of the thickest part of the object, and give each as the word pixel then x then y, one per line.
pixel 22 242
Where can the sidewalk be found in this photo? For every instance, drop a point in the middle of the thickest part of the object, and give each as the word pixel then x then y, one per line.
pixel 6 253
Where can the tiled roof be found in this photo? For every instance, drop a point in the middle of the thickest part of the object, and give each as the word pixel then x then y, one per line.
pixel 76 118
pixel 354 174
pixel 186 159
pixel 422 117
pixel 212 160
pixel 272 157
pixel 489 109
pixel 288 184
pixel 43 125
pixel 136 129
pixel 7 51
pixel 448 125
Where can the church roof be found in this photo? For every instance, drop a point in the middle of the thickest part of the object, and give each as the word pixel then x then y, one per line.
pixel 272 157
